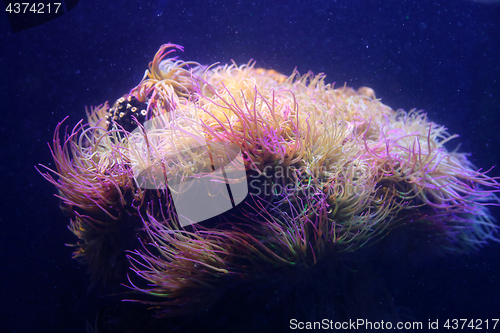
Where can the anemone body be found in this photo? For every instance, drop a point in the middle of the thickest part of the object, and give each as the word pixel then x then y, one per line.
pixel 327 171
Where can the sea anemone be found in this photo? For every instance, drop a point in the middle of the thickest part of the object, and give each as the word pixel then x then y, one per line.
pixel 205 175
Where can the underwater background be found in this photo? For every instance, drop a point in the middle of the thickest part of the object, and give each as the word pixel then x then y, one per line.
pixel 442 57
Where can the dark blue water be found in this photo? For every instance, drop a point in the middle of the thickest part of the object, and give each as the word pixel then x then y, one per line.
pixel 439 56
